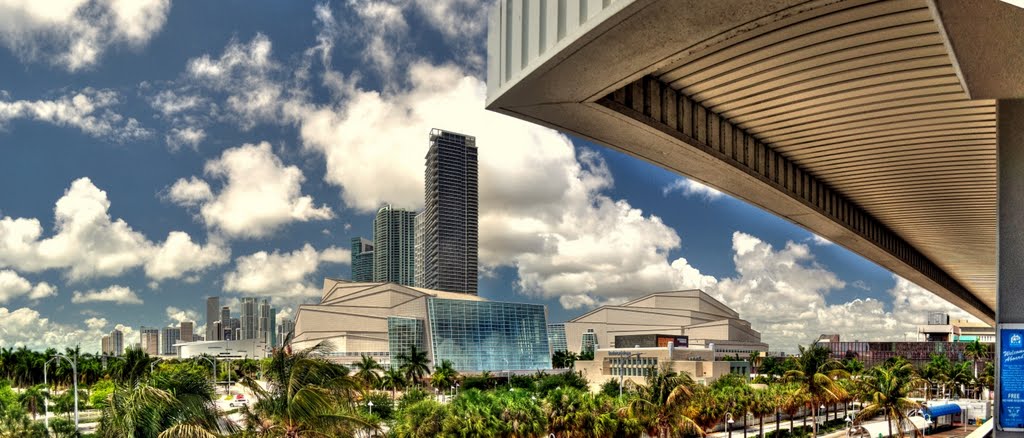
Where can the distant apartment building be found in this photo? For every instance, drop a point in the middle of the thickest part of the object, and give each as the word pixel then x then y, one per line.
pixel 249 323
pixel 105 345
pixel 394 234
pixel 116 343
pixel 272 330
pixel 187 334
pixel 170 336
pixel 232 329
pixel 149 340
pixel 362 259
pixel 212 315
pixel 286 327
pixel 265 332
pixel 450 224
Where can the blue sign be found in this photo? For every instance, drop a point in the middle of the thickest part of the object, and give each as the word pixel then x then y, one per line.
pixel 1011 377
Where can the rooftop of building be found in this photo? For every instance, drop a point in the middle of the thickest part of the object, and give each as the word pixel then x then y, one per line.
pixel 668 300
pixel 336 287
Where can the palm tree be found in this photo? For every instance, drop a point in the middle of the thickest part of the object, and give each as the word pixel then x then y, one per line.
pixel 416 364
pixel 142 410
pixel 976 351
pixel 444 376
pixel 755 361
pixel 32 399
pixel 394 379
pixel 959 378
pixel 305 396
pixel 888 387
pixel 762 403
pixel 366 371
pixel 816 376
pixel 793 399
pixel 935 373
pixel 659 404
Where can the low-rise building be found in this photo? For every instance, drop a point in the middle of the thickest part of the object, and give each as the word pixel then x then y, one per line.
pixel 385 320
pixel 244 349
pixel 687 331
pixel 691 314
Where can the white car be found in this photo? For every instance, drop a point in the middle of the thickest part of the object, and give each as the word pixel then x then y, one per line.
pixel 238 402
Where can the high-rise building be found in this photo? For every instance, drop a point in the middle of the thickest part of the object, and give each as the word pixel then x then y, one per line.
pixel 273 328
pixel 212 314
pixel 286 326
pixel 186 331
pixel 417 252
pixel 394 234
pixel 105 345
pixel 249 324
pixel 149 339
pixel 232 329
pixel 263 322
pixel 116 342
pixel 451 216
pixel 171 336
pixel 362 259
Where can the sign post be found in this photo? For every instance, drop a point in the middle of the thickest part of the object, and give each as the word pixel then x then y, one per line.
pixel 1011 377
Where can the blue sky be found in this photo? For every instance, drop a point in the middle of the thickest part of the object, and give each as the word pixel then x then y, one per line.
pixel 163 153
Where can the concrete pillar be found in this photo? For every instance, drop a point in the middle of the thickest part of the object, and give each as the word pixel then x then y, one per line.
pixel 1010 297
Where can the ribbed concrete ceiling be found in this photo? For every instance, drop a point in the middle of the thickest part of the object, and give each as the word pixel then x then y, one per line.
pixel 867 100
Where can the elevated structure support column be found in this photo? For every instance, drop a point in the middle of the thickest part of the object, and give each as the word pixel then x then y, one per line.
pixel 1010 298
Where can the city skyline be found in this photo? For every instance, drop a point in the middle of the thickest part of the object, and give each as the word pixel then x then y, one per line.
pixel 265 174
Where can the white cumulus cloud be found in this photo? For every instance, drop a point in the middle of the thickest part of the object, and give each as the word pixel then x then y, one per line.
pixel 281 275
pixel 260 193
pixel 113 294
pixel 13 286
pixel 177 316
pixel 87 110
pixel 689 187
pixel 88 243
pixel 74 34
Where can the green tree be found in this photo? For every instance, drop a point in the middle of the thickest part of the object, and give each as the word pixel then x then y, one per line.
pixel 367 371
pixel 32 399
pixel 143 410
pixel 305 396
pixel 421 419
pixel 415 364
pixel 762 403
pixel 444 376
pixel 888 387
pixel 659 405
pixel 816 376
pixel 393 379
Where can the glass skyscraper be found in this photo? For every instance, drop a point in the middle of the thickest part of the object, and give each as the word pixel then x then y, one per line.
pixel 487 335
pixel 394 234
pixel 362 259
pixel 556 337
pixel 249 323
pixel 449 228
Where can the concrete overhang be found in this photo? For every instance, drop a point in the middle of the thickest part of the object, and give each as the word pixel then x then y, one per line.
pixel 847 117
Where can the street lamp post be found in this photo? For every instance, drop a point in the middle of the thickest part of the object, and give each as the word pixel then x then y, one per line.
pixel 370 405
pixel 46 401
pixel 153 363
pixel 508 371
pixel 74 379
pixel 728 422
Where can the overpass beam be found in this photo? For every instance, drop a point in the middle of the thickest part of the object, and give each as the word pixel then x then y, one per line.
pixel 1010 295
pixel 652 102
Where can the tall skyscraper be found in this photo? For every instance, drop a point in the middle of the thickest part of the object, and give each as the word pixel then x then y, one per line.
pixel 362 259
pixel 186 331
pixel 394 234
pixel 249 325
pixel 170 336
pixel 232 329
pixel 149 340
pixel 451 215
pixel 287 326
pixel 105 345
pixel 273 328
pixel 418 251
pixel 212 314
pixel 116 342
pixel 263 322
